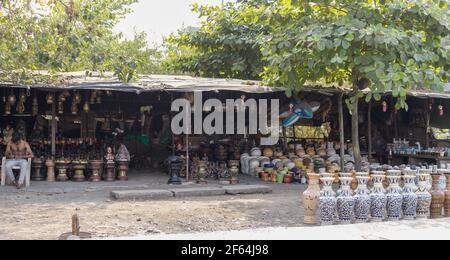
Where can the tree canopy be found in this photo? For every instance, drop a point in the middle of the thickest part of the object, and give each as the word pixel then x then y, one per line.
pixel 68 35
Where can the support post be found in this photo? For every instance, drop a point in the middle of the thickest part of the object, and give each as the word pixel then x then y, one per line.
pixel 54 128
pixel 427 124
pixel 341 129
pixel 369 130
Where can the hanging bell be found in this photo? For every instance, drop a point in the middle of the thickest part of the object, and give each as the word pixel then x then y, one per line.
pixel 86 107
pixel 50 98
pixel 60 108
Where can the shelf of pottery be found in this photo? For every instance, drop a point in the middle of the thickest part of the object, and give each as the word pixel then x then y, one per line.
pixel 271 164
pixel 382 195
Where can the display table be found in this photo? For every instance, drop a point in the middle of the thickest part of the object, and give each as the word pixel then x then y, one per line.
pixel 398 159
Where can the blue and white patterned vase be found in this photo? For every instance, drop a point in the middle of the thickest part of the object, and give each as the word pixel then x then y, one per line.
pixel 423 195
pixel 327 202
pixel 345 201
pixel 394 197
pixel 410 199
pixel 362 199
pixel 378 199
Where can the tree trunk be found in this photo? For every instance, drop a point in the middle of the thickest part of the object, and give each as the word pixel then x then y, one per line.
pixel 355 133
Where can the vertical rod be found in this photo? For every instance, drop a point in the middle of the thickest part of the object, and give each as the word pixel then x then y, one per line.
pixel 369 129
pixel 341 129
pixel 54 128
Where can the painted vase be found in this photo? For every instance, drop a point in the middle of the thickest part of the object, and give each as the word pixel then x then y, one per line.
pixel 327 202
pixel 202 172
pixel 345 201
pixel 410 199
pixel 378 199
pixel 233 169
pixel 447 195
pixel 424 197
pixel 362 200
pixel 394 198
pixel 311 200
pixel 437 197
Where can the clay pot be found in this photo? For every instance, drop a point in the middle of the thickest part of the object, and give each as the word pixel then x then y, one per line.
pixel 233 170
pixel 437 197
pixel 265 177
pixel 50 164
pixel 447 196
pixel 311 199
pixel 37 165
pixel 62 168
pixel 288 179
pixel 95 166
pixel 268 152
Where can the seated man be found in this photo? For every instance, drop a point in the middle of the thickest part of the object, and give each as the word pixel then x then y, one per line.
pixel 17 153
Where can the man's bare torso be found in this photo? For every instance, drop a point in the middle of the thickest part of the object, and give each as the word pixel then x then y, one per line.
pixel 21 150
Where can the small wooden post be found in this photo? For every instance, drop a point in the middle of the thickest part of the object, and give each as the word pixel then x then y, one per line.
pixel 341 129
pixel 75 225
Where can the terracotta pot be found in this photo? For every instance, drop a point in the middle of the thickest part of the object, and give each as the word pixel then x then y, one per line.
pixel 62 168
pixel 447 196
pixel 50 164
pixel 110 172
pixel 265 177
pixel 288 179
pixel 311 200
pixel 37 165
pixel 268 152
pixel 123 167
pixel 437 197
pixel 96 167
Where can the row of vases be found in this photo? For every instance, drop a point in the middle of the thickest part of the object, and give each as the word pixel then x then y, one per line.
pixel 393 203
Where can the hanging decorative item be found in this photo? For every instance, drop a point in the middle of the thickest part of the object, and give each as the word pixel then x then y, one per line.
pixel 60 108
pixel 74 108
pixel 12 99
pixel 21 104
pixel 384 107
pixel 50 98
pixel 62 97
pixel 93 98
pixel 86 107
pixel 441 110
pixel 8 109
pixel 35 107
pixel 77 97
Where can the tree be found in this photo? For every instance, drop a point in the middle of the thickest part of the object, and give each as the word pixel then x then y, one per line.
pixel 379 45
pixel 68 35
pixel 225 45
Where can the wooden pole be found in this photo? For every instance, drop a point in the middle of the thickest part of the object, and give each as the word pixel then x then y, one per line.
pixel 54 128
pixel 341 129
pixel 369 129
pixel 427 124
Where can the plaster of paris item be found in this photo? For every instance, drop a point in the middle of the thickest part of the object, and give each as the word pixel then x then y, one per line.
pixel 362 200
pixel 447 195
pixel 233 171
pixel 394 198
pixel 50 164
pixel 410 199
pixel 327 202
pixel 378 199
pixel 345 201
pixel 437 197
pixel 424 197
pixel 311 199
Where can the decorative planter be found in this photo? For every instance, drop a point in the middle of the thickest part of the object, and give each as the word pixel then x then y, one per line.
pixel 288 178
pixel 327 202
pixel 110 171
pixel 202 172
pixel 345 201
pixel 123 167
pixel 437 197
pixel 410 200
pixel 37 165
pixel 394 198
pixel 424 197
pixel 62 169
pixel 311 200
pixel 50 164
pixel 447 195
pixel 265 177
pixel 79 169
pixel 378 199
pixel 362 200
pixel 175 165
pixel 280 177
pixel 95 166
pixel 233 170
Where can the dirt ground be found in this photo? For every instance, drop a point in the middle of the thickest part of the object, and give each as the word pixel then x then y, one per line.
pixel 45 212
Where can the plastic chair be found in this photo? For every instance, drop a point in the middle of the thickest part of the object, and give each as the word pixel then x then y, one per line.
pixel 3 173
